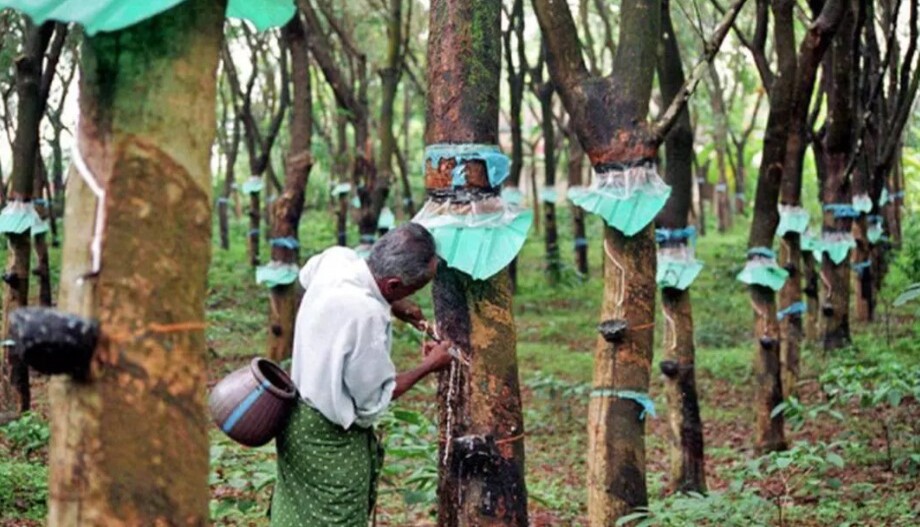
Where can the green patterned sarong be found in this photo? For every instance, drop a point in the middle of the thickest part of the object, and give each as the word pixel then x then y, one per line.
pixel 327 476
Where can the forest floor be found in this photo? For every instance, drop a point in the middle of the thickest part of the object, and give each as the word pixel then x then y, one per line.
pixel 854 430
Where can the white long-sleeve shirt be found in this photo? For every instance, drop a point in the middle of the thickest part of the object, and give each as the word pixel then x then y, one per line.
pixel 342 340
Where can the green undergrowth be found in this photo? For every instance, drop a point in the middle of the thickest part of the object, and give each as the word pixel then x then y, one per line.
pixel 854 456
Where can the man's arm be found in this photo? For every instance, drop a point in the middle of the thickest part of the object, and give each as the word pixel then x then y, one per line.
pixel 407 311
pixel 436 359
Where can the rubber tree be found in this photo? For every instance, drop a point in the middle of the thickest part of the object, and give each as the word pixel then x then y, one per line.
pixel 481 458
pixel 803 66
pixel 721 200
pixel 258 143
pixel 288 208
pixel 15 395
pixel 835 150
pixel 516 65
pixel 687 464
pixel 129 438
pixel 390 74
pixel 609 116
pixel 544 90
pixel 575 168
pixel 229 136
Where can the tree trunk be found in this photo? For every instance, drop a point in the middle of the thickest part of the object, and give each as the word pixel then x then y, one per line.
pixel 287 209
pixel 551 233
pixel 810 274
pixel 721 200
pixel 838 146
pixel 687 471
pixel 129 446
pixel 255 218
pixel 609 116
pixel 39 240
pixel 740 177
pixel 223 203
pixel 481 465
pixel 15 396
pixel 576 163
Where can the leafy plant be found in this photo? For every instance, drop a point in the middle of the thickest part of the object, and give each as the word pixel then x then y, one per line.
pixel 411 454
pixel 26 434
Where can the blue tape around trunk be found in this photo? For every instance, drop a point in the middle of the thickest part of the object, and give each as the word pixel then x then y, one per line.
pixel 581 242
pixel 861 267
pixel 287 242
pixel 244 407
pixel 642 399
pixel 796 308
pixel 497 163
pixel 253 232
pixel 721 187
pixel 874 218
pixel 39 202
pixel 841 210
pixel 898 195
pixel 761 251
pixel 675 235
pixel 368 238
pixel 222 200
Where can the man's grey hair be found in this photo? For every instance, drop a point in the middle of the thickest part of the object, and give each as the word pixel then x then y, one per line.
pixel 405 253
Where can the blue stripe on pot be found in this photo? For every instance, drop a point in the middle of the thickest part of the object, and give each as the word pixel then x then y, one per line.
pixel 244 407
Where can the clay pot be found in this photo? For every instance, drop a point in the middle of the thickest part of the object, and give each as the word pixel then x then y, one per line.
pixel 252 404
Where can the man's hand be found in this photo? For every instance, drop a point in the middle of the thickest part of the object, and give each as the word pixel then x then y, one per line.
pixel 408 311
pixel 437 354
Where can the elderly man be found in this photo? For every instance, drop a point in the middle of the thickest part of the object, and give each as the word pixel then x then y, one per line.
pixel 328 456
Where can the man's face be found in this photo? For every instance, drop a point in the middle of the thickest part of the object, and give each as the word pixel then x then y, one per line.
pixel 393 289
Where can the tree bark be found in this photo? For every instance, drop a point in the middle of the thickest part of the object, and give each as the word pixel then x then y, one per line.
pixel 129 446
pixel 482 453
pixel 687 462
pixel 609 116
pixel 576 163
pixel 15 395
pixel 544 91
pixel 721 201
pixel 838 144
pixel 288 208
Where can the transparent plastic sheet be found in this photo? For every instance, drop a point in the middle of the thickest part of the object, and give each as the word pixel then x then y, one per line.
pixel 479 237
pixel 40 227
pixel 18 217
pixel 497 163
pixel 862 203
pixel 253 185
pixel 340 189
pixel 761 269
pixel 627 198
pixel 387 219
pixel 512 195
pixel 548 195
pixel 837 245
pixel 677 267
pixel 276 273
pixel 113 15
pixel 792 218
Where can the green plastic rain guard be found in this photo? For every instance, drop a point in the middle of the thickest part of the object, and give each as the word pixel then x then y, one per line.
pixel 810 243
pixel 792 219
pixel 386 220
pixel 364 250
pixel 548 195
pixel 356 202
pixel 677 268
pixel 18 217
pixel 341 189
pixel 276 273
pixel 512 195
pixel 628 199
pixel 874 229
pixel 112 15
pixel 253 185
pixel 837 245
pixel 884 198
pixel 761 269
pixel 479 238
pixel 862 203
pixel 40 227
pixel 497 163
